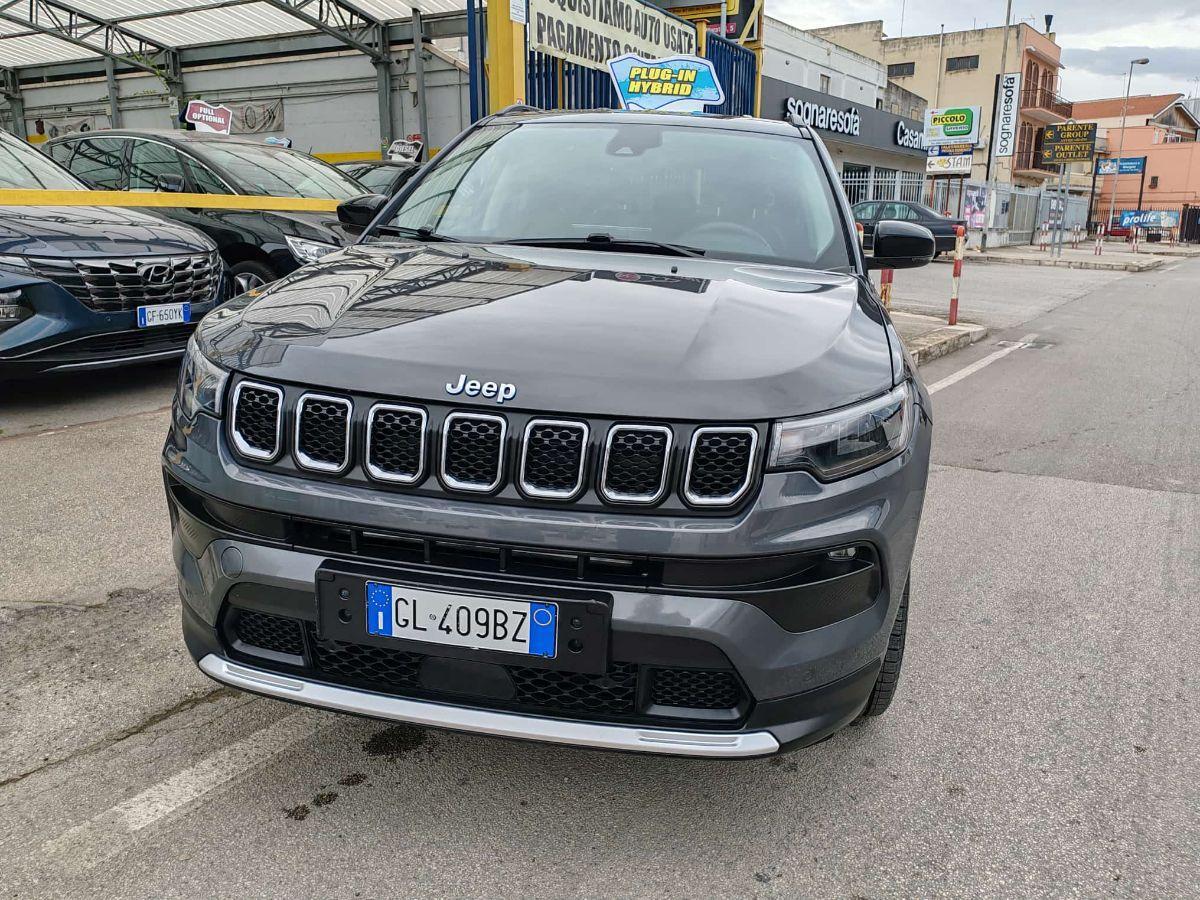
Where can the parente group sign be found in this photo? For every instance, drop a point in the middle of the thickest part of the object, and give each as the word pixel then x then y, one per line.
pixel 591 32
pixel 680 83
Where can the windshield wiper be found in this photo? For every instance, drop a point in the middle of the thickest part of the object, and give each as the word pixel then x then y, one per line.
pixel 418 234
pixel 603 241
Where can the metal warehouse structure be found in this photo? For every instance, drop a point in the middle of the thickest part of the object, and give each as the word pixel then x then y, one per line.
pixel 56 41
pixel 343 71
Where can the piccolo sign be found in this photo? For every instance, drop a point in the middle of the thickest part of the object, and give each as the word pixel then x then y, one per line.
pixel 952 125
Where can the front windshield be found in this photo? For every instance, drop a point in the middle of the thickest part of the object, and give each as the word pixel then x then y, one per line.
pixel 276 172
pixel 21 166
pixel 730 194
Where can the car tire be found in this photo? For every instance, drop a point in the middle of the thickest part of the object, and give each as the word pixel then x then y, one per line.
pixel 889 676
pixel 248 274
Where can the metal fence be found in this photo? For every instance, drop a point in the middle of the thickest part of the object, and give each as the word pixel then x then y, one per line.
pixel 736 70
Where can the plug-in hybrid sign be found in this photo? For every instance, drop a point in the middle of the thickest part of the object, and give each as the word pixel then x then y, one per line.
pixel 680 83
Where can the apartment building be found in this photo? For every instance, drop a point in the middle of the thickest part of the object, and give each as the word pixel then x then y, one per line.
pixel 1162 129
pixel 961 68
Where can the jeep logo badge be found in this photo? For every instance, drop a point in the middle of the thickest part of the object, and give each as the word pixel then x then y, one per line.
pixel 498 391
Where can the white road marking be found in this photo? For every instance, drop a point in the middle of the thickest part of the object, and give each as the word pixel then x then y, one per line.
pixel 109 832
pixel 974 367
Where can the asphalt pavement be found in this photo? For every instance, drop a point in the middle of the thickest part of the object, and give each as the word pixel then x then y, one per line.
pixel 1044 741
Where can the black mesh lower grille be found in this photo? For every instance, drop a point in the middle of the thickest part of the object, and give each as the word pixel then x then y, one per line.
pixel 720 465
pixel 636 463
pixel 396 442
pixel 324 426
pixel 256 418
pixel 472 454
pixel 695 688
pixel 553 458
pixel 268 632
pixel 613 694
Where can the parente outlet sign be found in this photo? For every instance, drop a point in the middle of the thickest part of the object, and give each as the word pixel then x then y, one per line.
pixel 206 117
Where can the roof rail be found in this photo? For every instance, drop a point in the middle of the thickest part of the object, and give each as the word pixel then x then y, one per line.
pixel 516 108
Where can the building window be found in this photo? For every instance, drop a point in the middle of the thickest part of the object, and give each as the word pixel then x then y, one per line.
pixel 962 63
pixel 1153 182
pixel 825 84
pixel 900 70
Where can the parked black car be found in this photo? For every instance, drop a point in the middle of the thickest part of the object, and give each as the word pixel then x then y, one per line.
pixel 872 212
pixel 380 176
pixel 86 287
pixel 258 246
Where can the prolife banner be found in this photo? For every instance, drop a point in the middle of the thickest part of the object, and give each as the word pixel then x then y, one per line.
pixel 591 32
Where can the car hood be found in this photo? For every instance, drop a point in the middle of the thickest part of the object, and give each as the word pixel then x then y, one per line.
pixel 82 231
pixel 581 332
pixel 317 226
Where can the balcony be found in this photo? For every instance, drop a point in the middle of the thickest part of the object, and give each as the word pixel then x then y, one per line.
pixel 1043 105
pixel 1029 162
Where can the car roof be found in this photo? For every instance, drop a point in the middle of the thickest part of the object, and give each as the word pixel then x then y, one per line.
pixel 682 119
pixel 170 135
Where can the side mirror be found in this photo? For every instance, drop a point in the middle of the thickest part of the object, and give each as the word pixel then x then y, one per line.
pixel 171 183
pixel 901 245
pixel 360 211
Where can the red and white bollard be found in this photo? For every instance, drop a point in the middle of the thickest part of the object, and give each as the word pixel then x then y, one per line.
pixel 1099 249
pixel 1133 232
pixel 885 286
pixel 1044 236
pixel 960 235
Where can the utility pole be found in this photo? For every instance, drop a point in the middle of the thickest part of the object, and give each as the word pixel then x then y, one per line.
pixel 1112 201
pixel 991 154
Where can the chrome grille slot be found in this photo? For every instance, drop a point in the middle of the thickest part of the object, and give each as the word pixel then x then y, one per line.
pixel 473 451
pixel 553 458
pixel 323 432
pixel 636 463
pixel 255 424
pixel 720 465
pixel 396 443
pixel 125 283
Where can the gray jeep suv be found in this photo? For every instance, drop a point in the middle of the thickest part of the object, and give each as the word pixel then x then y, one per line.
pixel 599 436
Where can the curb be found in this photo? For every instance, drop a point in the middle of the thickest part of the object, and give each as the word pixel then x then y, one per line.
pixel 1142 265
pixel 944 341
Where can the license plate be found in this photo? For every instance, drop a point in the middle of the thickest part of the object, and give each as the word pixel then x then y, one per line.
pixel 164 314
pixel 479 623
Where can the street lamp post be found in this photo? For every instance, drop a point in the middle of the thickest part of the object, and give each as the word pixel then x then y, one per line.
pixel 1112 202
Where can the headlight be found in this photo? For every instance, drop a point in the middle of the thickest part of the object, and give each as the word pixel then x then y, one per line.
pixel 201 384
pixel 15 264
pixel 307 251
pixel 837 444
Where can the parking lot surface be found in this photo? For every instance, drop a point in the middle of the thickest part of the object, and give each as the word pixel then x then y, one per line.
pixel 1044 740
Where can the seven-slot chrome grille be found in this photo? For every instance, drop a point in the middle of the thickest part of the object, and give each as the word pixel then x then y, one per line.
pixel 125 283
pixel 508 456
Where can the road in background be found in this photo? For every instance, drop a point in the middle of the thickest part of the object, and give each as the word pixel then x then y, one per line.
pixel 1043 740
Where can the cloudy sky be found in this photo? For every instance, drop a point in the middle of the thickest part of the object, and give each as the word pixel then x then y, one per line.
pixel 1098 37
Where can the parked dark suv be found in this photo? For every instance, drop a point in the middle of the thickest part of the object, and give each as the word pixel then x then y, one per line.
pixel 599 437
pixel 85 287
pixel 258 246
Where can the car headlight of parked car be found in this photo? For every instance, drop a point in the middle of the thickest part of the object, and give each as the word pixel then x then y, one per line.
pixel 307 251
pixel 201 383
pixel 846 441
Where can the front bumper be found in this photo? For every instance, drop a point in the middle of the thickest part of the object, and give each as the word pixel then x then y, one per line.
pixel 481 721
pixel 801 684
pixel 63 335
